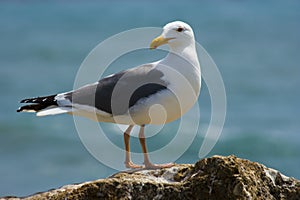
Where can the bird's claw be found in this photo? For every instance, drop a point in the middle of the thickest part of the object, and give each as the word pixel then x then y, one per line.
pixel 149 165
pixel 131 165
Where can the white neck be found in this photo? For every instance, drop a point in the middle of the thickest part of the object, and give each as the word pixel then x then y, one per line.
pixel 185 61
pixel 182 55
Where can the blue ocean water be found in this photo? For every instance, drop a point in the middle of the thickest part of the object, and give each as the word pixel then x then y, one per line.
pixel 255 45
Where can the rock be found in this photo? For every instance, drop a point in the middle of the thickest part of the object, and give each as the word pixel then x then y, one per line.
pixel 217 177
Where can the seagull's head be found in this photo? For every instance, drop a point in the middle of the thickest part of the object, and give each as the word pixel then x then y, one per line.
pixel 176 34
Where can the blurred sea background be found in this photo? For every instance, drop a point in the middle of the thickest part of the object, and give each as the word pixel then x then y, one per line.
pixel 255 45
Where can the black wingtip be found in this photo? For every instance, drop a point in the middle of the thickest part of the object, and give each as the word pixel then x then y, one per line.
pixel 23 100
pixel 26 100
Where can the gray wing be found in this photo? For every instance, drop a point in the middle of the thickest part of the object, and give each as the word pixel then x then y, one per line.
pixel 115 94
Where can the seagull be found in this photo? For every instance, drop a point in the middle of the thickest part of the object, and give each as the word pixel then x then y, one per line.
pixel 153 93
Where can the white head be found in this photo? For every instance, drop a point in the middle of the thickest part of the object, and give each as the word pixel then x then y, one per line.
pixel 178 35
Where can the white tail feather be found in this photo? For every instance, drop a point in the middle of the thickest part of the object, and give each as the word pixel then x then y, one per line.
pixel 53 111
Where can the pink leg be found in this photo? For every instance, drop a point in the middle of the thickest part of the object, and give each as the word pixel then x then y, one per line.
pixel 148 164
pixel 128 163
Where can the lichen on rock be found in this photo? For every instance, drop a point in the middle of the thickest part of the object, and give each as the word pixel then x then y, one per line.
pixel 217 177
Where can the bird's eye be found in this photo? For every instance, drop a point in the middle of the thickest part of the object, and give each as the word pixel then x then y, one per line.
pixel 180 29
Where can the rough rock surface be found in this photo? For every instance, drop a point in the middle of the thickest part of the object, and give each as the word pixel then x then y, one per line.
pixel 217 177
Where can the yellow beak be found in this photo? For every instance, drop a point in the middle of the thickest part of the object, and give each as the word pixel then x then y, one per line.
pixel 160 40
